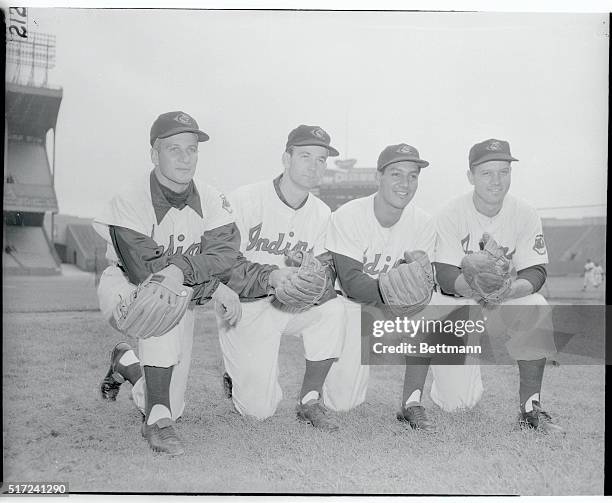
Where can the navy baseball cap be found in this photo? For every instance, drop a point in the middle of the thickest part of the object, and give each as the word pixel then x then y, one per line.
pixel 490 150
pixel 172 123
pixel 399 153
pixel 303 136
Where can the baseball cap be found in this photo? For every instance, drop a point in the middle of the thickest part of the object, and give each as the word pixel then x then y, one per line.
pixel 172 123
pixel 490 150
pixel 398 153
pixel 304 135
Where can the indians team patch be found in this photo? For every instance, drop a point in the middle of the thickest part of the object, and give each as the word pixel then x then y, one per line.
pixel 225 204
pixel 539 246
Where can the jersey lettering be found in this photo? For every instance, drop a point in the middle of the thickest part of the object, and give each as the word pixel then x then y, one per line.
pixel 465 244
pixel 370 268
pixel 277 246
pixel 171 252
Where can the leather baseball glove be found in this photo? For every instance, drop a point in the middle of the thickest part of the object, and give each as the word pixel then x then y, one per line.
pixel 306 287
pixel 407 288
pixel 154 308
pixel 488 272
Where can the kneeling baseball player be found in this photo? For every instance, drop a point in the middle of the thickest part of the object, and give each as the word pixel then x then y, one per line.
pixel 381 245
pixel 171 247
pixel 491 251
pixel 280 220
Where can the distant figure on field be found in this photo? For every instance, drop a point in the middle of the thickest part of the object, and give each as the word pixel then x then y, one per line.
pixel 588 274
pixel 598 273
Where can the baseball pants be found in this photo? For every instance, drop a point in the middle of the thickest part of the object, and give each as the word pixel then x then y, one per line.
pixel 250 349
pixel 526 333
pixel 347 382
pixel 172 349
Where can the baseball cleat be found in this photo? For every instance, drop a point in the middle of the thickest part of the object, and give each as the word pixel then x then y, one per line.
pixel 315 413
pixel 109 387
pixel 162 437
pixel 539 419
pixel 416 417
pixel 227 385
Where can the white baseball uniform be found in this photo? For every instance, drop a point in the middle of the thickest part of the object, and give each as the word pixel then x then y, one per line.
pixel 518 229
pixel 269 228
pixel 178 232
pixel 356 233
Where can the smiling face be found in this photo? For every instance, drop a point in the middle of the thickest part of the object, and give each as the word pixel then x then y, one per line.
pixel 175 159
pixel 491 181
pixel 398 183
pixel 305 165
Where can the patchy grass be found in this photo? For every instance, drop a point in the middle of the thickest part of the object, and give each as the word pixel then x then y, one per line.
pixel 56 427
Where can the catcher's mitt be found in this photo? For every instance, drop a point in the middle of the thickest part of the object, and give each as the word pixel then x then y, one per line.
pixel 407 288
pixel 306 287
pixel 488 272
pixel 154 308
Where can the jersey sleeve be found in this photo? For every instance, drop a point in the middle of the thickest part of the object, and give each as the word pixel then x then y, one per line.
pixel 343 234
pixel 530 246
pixel 448 248
pixel 356 284
pixel 125 211
pixel 219 250
pixel 218 209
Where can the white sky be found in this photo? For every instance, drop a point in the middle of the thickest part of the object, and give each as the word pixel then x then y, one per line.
pixel 439 81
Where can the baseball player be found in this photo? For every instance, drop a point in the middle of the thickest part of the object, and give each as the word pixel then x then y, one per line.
pixel 167 227
pixel 597 275
pixel 368 237
pixel 276 217
pixel 489 209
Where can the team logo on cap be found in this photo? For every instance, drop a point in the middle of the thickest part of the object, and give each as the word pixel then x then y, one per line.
pixel 183 119
pixel 494 146
pixel 319 133
pixel 406 149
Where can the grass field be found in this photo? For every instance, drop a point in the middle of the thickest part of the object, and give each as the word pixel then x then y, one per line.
pixel 56 428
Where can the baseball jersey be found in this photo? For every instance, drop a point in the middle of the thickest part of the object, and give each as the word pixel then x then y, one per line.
pixel 142 208
pixel 355 232
pixel 517 228
pixel 269 228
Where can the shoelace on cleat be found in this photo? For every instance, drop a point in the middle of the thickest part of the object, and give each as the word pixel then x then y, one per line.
pixel 418 414
pixel 167 433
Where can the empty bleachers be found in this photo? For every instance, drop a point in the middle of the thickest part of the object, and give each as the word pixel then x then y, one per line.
pixel 27 251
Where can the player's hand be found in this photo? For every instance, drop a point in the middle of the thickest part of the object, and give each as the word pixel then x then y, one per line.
pixel 279 276
pixel 228 304
pixel 174 272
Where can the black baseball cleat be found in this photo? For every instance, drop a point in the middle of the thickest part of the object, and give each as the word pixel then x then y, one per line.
pixel 162 437
pixel 417 418
pixel 314 413
pixel 228 385
pixel 539 419
pixel 109 387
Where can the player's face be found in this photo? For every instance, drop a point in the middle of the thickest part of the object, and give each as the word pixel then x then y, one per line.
pixel 398 183
pixel 491 181
pixel 176 158
pixel 305 165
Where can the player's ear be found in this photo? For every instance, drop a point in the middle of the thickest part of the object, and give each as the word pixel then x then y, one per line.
pixel 378 176
pixel 470 176
pixel 286 160
pixel 155 156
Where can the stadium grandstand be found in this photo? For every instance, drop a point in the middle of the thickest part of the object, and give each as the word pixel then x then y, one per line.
pixel 31 110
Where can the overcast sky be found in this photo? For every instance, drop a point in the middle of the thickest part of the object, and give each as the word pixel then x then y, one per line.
pixel 439 81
